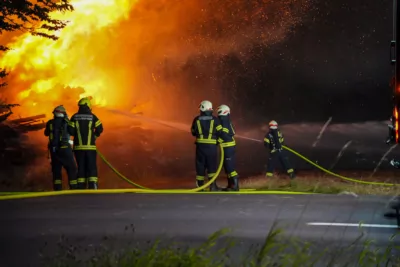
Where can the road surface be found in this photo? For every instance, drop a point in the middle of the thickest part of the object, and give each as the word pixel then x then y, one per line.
pixel 27 224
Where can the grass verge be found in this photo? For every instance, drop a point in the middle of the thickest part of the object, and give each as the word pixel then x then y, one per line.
pixel 277 250
pixel 320 184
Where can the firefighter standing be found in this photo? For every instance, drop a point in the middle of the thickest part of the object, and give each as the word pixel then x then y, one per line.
pixel 392 139
pixel 60 149
pixel 274 141
pixel 206 128
pixel 392 132
pixel 85 127
pixel 228 142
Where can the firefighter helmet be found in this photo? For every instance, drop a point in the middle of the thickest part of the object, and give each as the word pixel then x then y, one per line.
pixel 59 111
pixel 205 105
pixel 85 101
pixel 273 124
pixel 224 110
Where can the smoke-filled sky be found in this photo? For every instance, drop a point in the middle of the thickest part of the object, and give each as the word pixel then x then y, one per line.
pixel 335 64
pixel 290 60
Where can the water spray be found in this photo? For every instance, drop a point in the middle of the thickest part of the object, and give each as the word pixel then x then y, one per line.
pixel 340 154
pixel 177 126
pixel 322 131
pixel 383 158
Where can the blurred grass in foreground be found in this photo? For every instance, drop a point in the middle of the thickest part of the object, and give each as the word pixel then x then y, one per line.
pixel 277 250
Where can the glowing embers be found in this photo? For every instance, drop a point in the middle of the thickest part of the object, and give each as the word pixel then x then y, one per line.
pixel 396 123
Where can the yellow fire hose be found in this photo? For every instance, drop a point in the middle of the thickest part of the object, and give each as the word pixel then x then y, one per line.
pixel 220 167
pixel 335 174
pixel 142 189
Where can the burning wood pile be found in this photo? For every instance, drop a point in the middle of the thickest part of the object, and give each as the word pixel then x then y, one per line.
pixel 21 125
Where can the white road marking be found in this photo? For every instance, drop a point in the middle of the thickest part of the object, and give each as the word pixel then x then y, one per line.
pixel 122 212
pixel 353 225
pixel 348 194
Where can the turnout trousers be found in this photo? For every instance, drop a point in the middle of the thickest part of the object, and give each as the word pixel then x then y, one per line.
pixel 87 169
pixel 274 158
pixel 230 167
pixel 206 161
pixel 63 157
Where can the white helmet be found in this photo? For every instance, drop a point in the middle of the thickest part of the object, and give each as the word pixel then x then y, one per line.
pixel 224 110
pixel 273 125
pixel 205 105
pixel 59 112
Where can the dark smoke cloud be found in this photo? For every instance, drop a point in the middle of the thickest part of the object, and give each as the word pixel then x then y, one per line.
pixel 333 62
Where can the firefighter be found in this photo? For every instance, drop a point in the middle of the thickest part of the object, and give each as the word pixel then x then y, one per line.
pixel 60 149
pixel 206 128
pixel 274 141
pixel 85 127
pixel 392 132
pixel 391 139
pixel 228 142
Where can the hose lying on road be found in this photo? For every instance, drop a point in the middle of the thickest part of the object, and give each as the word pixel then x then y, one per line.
pixel 335 174
pixel 322 168
pixel 142 189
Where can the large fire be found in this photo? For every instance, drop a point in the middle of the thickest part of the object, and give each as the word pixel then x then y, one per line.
pixel 41 68
pixel 112 49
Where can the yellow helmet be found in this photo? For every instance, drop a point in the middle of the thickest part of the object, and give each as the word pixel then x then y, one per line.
pixel 85 101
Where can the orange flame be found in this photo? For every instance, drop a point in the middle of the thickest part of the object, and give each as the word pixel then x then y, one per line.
pixel 118 51
pixel 396 124
pixel 46 64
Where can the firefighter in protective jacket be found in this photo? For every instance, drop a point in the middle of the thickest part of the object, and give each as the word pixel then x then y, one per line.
pixel 206 128
pixel 391 139
pixel 228 142
pixel 274 141
pixel 392 132
pixel 60 147
pixel 85 127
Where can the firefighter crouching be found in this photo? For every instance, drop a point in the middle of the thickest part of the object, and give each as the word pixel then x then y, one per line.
pixel 228 142
pixel 85 127
pixel 274 141
pixel 60 149
pixel 206 128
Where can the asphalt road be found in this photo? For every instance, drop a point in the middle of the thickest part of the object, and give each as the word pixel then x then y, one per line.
pixel 27 224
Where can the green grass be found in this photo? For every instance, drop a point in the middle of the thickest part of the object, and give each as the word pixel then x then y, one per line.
pixel 319 184
pixel 277 250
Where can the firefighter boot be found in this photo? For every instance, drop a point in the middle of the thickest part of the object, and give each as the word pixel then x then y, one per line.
pixel 230 185
pixel 73 186
pixel 200 183
pixel 57 186
pixel 214 187
pixel 233 184
pixel 93 185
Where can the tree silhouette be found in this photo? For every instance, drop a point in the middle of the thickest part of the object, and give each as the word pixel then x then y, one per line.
pixel 31 16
